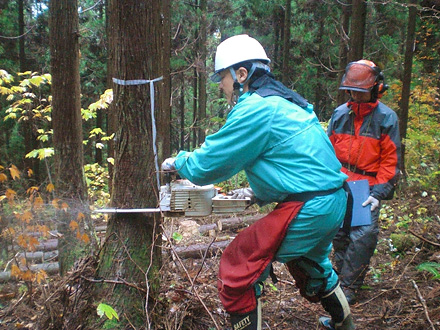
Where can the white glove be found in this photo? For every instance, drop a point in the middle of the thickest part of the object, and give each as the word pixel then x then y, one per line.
pixel 242 193
pixel 168 165
pixel 373 201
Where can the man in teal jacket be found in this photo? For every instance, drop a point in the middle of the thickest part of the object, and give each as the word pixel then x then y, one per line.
pixel 273 135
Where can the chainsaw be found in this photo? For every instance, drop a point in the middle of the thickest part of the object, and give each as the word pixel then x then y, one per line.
pixel 183 198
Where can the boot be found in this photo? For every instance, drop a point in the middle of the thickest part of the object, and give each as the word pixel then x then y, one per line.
pixel 337 306
pixel 249 321
pixel 328 323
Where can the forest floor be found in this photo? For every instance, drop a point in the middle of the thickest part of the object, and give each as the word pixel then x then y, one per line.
pixel 396 294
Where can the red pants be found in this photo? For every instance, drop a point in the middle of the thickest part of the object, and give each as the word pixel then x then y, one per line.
pixel 249 254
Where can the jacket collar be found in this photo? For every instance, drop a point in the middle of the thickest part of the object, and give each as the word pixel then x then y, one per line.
pixel 362 109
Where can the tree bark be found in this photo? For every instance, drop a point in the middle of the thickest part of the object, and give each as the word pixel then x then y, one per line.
pixel 131 250
pixel 70 184
pixel 343 49
pixel 202 72
pixel 406 81
pixel 286 42
pixel 357 30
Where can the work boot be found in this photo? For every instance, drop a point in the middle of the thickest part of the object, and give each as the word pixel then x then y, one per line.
pixel 335 303
pixel 328 323
pixel 351 295
pixel 248 321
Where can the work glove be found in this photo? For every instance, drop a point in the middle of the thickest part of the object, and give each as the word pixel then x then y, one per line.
pixel 168 165
pixel 373 201
pixel 242 193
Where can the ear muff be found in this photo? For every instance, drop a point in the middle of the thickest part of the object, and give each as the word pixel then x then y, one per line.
pixel 380 87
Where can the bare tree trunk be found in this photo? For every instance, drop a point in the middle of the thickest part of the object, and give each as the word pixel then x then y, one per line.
pixel 131 251
pixel 70 184
pixel 286 42
pixel 357 30
pixel 406 81
pixel 343 48
pixel 182 111
pixel 202 72
pixel 195 122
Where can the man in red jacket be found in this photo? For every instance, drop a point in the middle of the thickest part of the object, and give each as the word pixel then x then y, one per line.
pixel 365 135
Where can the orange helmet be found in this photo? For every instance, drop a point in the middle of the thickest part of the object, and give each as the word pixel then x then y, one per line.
pixel 363 76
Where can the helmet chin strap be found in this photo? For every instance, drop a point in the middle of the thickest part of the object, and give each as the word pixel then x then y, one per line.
pixel 238 87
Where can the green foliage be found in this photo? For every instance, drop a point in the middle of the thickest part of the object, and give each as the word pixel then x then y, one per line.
pixel 108 311
pixel 177 237
pixel 431 267
pixel 97 184
pixel 423 137
pixel 237 181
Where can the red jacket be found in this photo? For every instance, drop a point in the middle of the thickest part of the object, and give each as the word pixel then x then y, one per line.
pixel 367 143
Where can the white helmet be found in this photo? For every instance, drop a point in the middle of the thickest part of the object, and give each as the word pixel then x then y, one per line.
pixel 237 49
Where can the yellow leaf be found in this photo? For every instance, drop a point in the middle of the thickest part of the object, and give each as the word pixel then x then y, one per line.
pixel 2 197
pixel 38 203
pixel 27 276
pixel 41 275
pixel 55 203
pixel 32 243
pixel 30 172
pixel 23 261
pixel 15 271
pixel 10 194
pixel 21 240
pixel 3 177
pixel 78 235
pixel 1 168
pixel 73 225
pixel 80 216
pixel 32 190
pixel 85 238
pixel 50 187
pixel 26 217
pixel 65 207
pixel 15 173
pixel 44 230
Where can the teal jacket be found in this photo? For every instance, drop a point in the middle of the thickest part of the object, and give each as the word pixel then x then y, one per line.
pixel 281 147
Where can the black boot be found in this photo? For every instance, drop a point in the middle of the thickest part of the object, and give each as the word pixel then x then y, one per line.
pixel 337 306
pixel 249 321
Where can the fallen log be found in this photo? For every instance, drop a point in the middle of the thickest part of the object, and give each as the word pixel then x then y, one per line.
pixel 199 250
pixel 48 245
pixel 50 268
pixel 229 223
pixel 39 256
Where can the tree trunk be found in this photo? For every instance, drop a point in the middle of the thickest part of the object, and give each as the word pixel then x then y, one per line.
pixel 131 251
pixel 357 30
pixel 22 54
pixel 406 81
pixel 182 111
pixel 286 42
pixel 202 72
pixel 70 184
pixel 164 116
pixel 195 122
pixel 343 49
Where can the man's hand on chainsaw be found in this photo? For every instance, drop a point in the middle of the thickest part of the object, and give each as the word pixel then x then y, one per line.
pixel 168 165
pixel 242 193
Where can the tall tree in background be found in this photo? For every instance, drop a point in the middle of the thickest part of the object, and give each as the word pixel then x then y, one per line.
pixel 343 47
pixel 201 70
pixel 286 42
pixel 131 251
pixel 70 185
pixel 406 79
pixel 357 30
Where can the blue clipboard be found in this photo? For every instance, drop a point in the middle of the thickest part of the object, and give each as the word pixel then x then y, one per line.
pixel 360 190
